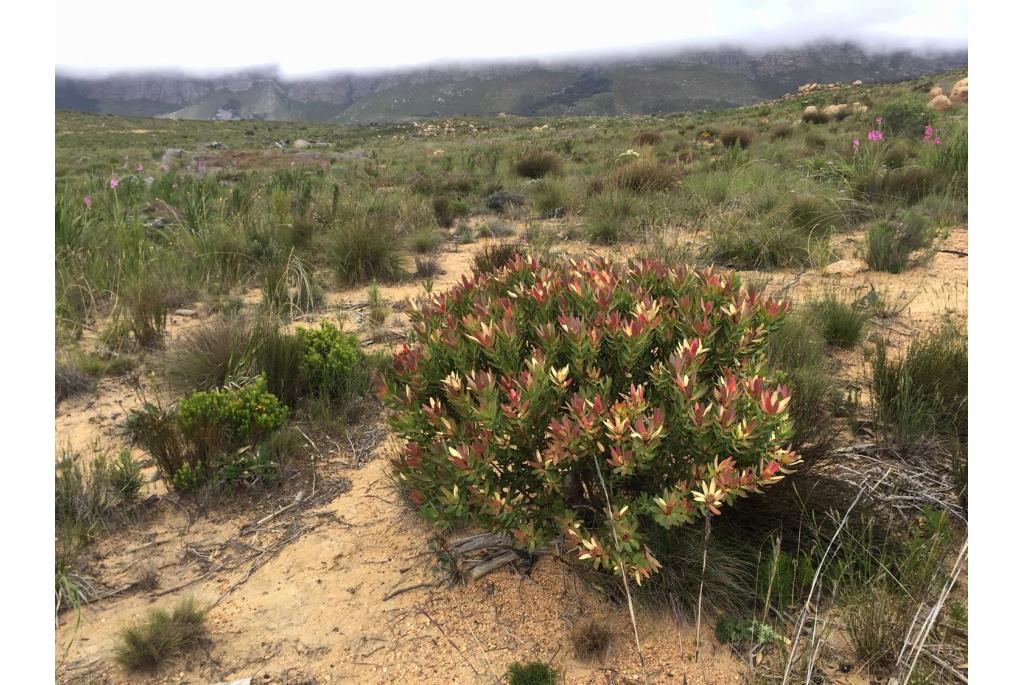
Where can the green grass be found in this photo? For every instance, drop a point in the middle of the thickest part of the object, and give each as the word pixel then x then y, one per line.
pixel 889 245
pixel 162 635
pixel 841 321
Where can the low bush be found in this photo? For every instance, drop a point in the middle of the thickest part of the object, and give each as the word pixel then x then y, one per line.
pixel 427 266
pixel 162 635
pixel 622 384
pixel 644 176
pixel 503 200
pixel 735 135
pixel 840 320
pixel 235 415
pixel 199 441
pixel 532 673
pixel 888 246
pixel 538 164
pixel 905 117
pixel 330 360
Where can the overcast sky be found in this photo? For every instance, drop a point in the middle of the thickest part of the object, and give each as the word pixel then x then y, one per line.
pixel 305 37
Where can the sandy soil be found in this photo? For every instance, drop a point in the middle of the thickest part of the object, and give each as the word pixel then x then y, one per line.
pixel 309 595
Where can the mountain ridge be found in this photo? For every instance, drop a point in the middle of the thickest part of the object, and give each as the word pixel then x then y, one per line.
pixel 696 79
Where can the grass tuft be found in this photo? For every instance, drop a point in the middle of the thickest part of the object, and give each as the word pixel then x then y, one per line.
pixel 163 634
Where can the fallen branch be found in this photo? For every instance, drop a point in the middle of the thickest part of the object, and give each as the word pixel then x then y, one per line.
pixel 408 588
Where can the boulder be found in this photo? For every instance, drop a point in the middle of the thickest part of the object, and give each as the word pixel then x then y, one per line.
pixel 940 103
pixel 811 111
pixel 301 144
pixel 935 92
pixel 959 92
pixel 858 82
pixel 836 111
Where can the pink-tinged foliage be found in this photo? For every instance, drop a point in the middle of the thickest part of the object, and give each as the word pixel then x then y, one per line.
pixel 520 383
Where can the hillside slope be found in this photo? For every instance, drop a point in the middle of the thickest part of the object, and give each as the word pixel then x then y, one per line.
pixel 714 79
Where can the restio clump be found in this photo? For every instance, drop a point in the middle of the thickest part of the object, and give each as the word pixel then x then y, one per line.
pixel 538 164
pixel 567 397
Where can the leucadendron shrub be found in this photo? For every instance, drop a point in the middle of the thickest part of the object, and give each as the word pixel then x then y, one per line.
pixel 555 397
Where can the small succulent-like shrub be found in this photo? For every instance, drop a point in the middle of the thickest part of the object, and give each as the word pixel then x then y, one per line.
pixel 240 415
pixel 329 359
pixel 591 400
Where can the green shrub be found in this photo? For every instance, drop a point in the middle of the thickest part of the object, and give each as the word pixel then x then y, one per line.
pixel 240 415
pixel 194 443
pixel 532 673
pixel 510 405
pixel 905 117
pixel 538 164
pixel 842 321
pixel 643 176
pixel 330 360
pixel 162 635
pixel 735 135
pixel 888 246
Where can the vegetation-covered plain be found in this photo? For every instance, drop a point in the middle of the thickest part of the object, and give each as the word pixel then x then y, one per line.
pixel 599 341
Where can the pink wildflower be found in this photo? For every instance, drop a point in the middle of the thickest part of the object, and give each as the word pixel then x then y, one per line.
pixel 878 121
pixel 856 144
pixel 139 168
pixel 88 201
pixel 875 136
pixel 113 182
pixel 936 141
